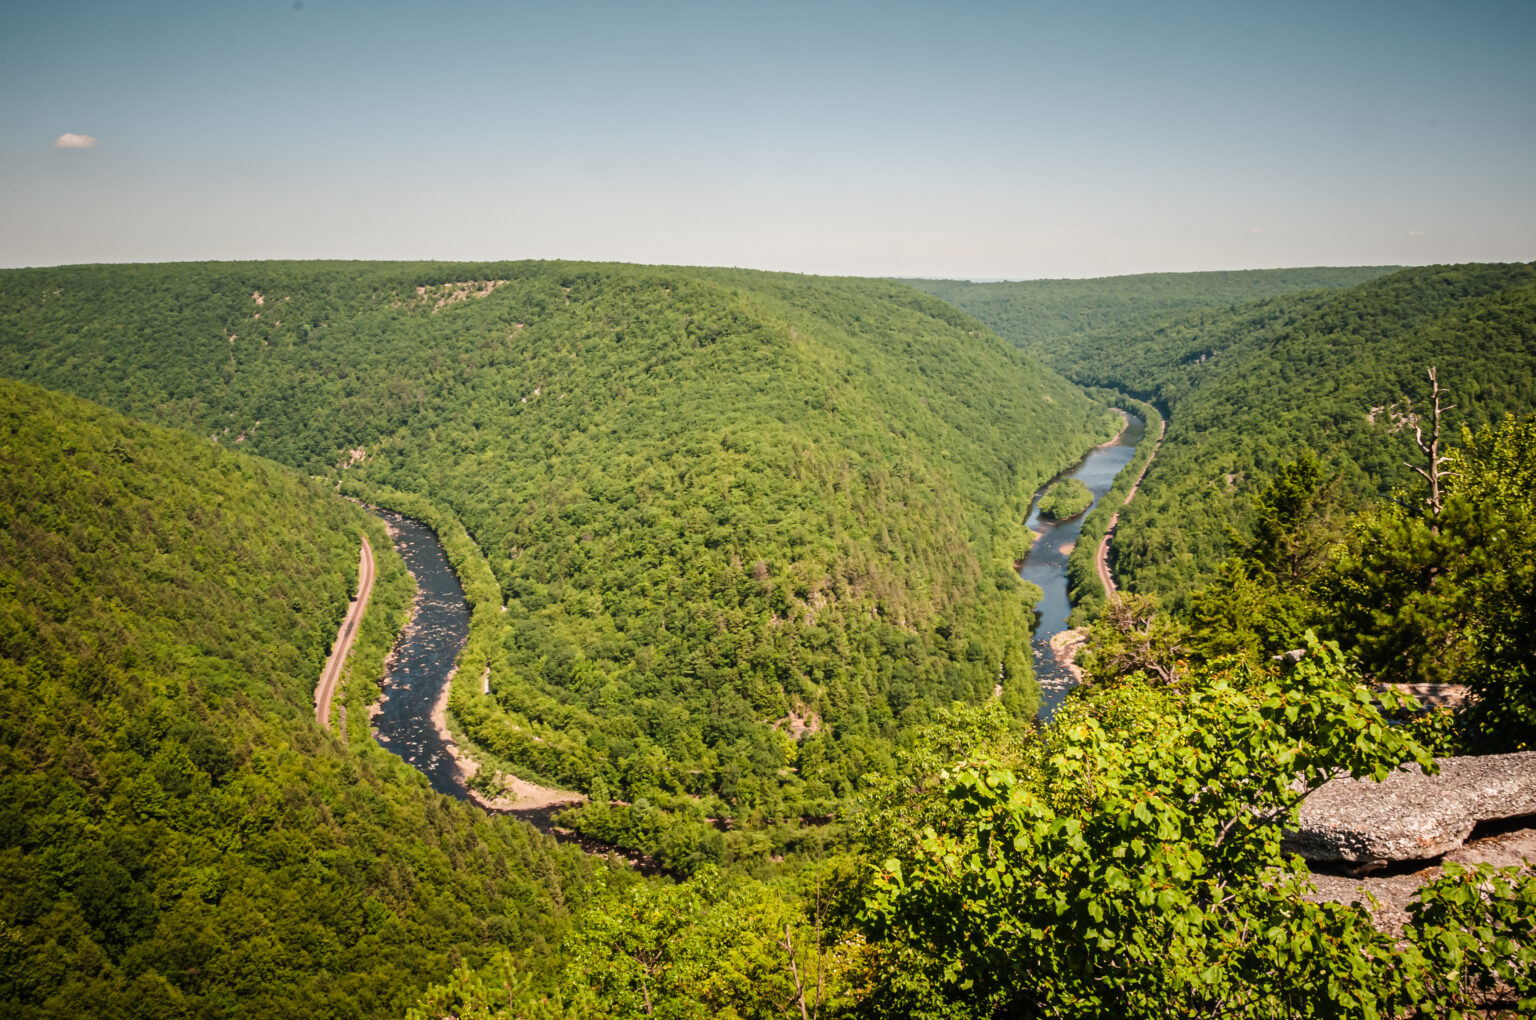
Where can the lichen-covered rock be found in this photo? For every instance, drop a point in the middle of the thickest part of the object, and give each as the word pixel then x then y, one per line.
pixel 1411 816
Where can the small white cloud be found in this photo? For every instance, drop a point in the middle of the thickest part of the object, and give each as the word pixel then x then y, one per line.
pixel 70 140
pixel 1415 233
pixel 1255 230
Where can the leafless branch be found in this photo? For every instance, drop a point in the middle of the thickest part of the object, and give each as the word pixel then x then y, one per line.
pixel 1434 473
pixel 794 972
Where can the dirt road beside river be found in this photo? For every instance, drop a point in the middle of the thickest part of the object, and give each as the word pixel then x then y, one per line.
pixel 326 689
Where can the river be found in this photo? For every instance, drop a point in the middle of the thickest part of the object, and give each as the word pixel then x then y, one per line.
pixel 421 664
pixel 1046 564
pixel 422 660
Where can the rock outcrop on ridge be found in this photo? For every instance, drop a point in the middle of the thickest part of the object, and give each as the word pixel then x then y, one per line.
pixel 1412 816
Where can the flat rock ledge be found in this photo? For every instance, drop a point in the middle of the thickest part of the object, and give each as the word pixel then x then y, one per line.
pixel 1432 695
pixel 1386 897
pixel 1410 816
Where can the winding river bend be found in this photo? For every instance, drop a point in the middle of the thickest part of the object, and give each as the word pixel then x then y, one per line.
pixel 421 665
pixel 1046 564
pixel 422 660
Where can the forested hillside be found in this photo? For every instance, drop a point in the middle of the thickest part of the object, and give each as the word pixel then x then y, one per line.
pixel 752 533
pixel 1339 372
pixel 178 837
pixel 1038 315
pixel 748 527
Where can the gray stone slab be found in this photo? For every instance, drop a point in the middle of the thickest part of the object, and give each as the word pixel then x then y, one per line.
pixel 1410 816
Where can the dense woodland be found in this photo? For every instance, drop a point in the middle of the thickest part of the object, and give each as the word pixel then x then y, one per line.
pixel 753 534
pixel 179 837
pixel 1250 387
pixel 1046 316
pixel 749 528
pixel 1066 498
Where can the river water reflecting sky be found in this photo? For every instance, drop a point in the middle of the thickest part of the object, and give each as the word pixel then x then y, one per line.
pixel 422 660
pixel 423 656
pixel 1046 564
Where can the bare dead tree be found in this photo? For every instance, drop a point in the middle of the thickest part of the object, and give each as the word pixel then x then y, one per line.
pixel 794 972
pixel 1138 637
pixel 1436 472
pixel 821 954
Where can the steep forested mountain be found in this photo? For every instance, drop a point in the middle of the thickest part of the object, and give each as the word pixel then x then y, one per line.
pixel 1341 372
pixel 177 835
pixel 1038 315
pixel 732 541
pixel 747 526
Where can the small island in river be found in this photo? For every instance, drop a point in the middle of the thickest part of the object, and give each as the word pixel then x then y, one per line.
pixel 1067 498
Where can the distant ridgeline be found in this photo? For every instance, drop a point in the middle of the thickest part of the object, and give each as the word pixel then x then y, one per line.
pixel 179 838
pixel 748 527
pixel 1252 385
pixel 1038 315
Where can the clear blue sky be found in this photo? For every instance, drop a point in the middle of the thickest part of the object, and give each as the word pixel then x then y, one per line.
pixel 962 139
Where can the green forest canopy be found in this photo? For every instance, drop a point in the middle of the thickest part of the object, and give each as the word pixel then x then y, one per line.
pixel 218 796
pixel 178 836
pixel 1252 386
pixel 1067 498
pixel 748 527
pixel 1040 315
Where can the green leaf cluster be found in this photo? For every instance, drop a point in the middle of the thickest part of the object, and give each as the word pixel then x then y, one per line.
pixel 1129 863
pixel 1477 929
